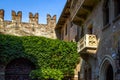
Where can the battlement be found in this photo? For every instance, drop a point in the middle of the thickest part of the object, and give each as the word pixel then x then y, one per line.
pixel 33 18
pixel 32 27
pixel 17 17
pixel 49 18
pixel 1 14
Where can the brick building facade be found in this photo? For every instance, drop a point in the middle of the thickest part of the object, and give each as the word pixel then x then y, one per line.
pixel 94 25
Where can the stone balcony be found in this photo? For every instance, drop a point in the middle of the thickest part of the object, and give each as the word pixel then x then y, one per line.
pixel 88 44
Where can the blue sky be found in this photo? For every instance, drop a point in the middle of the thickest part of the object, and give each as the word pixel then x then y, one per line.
pixel 43 7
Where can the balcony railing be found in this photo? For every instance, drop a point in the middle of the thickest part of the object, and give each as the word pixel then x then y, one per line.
pixel 75 8
pixel 88 44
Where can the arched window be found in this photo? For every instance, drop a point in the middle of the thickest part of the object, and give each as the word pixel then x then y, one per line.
pixel 107 69
pixel 117 7
pixel 109 73
pixel 106 12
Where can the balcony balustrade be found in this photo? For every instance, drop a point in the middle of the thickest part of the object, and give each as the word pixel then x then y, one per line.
pixel 88 44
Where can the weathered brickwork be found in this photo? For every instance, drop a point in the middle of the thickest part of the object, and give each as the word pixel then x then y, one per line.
pixel 100 18
pixel 19 28
pixel 32 28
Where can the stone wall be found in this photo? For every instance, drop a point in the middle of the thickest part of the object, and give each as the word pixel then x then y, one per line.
pixel 107 56
pixel 108 42
pixel 31 28
pixel 71 33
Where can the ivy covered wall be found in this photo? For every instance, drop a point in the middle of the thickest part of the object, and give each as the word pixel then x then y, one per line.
pixel 43 52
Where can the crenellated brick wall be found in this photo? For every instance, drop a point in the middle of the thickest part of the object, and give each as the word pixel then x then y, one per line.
pixel 19 28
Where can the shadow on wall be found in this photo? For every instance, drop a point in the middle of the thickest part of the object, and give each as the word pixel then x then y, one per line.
pixel 11 47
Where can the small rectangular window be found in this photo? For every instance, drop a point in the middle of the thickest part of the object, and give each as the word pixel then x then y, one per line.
pixel 62 35
pixel 66 29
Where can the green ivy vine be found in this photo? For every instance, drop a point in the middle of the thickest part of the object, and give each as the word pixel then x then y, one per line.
pixel 45 53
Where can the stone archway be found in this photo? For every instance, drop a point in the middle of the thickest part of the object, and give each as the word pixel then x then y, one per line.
pixel 107 69
pixel 19 69
pixel 109 72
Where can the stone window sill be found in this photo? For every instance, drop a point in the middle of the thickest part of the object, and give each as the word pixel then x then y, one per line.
pixel 116 18
pixel 106 26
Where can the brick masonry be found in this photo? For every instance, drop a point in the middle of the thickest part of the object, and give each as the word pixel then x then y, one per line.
pixel 19 28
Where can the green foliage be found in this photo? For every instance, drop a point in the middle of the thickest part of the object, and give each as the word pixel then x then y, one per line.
pixel 47 73
pixel 43 52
